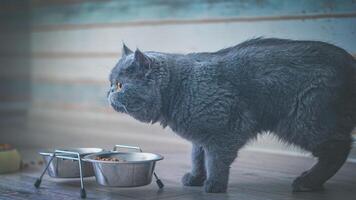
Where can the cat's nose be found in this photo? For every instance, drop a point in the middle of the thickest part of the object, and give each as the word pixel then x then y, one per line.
pixel 111 90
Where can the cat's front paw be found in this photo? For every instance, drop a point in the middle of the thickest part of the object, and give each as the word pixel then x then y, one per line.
pixel 190 180
pixel 212 186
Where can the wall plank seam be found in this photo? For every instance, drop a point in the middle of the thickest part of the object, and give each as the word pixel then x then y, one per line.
pixel 45 28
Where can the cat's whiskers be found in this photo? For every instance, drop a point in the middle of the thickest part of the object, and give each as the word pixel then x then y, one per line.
pixel 124 107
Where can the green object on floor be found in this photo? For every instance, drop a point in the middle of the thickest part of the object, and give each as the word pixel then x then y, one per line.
pixel 10 161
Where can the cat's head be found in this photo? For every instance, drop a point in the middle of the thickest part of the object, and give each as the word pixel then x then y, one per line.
pixel 136 84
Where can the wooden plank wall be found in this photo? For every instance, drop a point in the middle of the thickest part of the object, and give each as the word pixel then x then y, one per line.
pixel 75 43
pixel 15 68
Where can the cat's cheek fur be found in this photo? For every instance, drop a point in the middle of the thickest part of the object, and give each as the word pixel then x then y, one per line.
pixel 117 101
pixel 147 111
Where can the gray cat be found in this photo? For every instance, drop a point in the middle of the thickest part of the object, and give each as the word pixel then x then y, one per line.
pixel 304 92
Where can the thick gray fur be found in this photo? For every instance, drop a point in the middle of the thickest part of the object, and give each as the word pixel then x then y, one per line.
pixel 304 92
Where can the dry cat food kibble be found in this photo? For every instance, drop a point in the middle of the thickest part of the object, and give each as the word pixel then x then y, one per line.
pixel 107 159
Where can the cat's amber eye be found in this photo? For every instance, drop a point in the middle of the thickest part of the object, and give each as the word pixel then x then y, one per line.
pixel 118 87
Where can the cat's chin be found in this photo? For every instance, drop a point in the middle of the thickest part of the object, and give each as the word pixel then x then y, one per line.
pixel 122 109
pixel 119 110
pixel 143 117
pixel 139 113
pixel 118 107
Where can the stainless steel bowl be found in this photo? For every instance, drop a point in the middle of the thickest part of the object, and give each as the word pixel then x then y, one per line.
pixel 62 167
pixel 133 168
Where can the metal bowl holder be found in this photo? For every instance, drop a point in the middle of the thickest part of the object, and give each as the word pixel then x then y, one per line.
pixel 63 154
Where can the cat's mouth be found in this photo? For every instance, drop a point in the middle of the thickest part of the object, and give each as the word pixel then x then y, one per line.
pixel 120 107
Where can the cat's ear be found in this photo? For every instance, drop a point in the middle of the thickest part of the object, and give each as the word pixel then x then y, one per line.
pixel 125 50
pixel 143 60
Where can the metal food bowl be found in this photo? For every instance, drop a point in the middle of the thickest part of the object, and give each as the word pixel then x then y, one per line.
pixel 133 168
pixel 129 169
pixel 64 165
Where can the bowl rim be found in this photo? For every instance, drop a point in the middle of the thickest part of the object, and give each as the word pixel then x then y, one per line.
pixel 49 152
pixel 89 158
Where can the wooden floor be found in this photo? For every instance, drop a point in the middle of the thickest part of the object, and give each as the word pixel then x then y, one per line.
pixel 254 175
